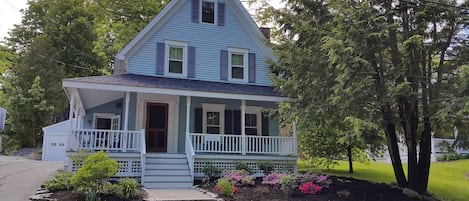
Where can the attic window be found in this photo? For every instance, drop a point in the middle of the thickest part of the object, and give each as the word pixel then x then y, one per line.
pixel 208 12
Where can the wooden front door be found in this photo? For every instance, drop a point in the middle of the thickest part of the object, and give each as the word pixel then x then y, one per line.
pixel 156 135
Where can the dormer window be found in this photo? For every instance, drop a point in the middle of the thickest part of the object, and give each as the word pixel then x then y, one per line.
pixel 176 59
pixel 208 12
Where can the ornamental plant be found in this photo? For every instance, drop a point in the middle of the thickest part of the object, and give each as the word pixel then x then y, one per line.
pixel 272 179
pixel 239 177
pixel 226 187
pixel 310 188
pixel 288 184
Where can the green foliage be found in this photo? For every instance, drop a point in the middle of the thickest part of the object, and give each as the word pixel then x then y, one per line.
pixel 450 157
pixel 90 180
pixel 266 167
pixel 288 184
pixel 239 165
pixel 127 188
pixel 61 182
pixel 211 173
pixel 226 187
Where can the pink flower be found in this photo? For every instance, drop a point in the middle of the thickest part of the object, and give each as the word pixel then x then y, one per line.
pixel 217 187
pixel 234 190
pixel 310 188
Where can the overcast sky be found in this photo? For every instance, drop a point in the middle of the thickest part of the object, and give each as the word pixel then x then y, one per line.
pixel 10 14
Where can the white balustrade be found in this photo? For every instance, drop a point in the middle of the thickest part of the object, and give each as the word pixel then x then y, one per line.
pixel 106 140
pixel 216 143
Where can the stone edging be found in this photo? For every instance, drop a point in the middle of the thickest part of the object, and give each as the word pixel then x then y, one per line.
pixel 213 195
pixel 42 195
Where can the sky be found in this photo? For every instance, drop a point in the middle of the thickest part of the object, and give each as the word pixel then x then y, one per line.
pixel 10 14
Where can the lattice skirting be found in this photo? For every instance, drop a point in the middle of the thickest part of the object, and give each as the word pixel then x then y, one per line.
pixel 129 167
pixel 228 165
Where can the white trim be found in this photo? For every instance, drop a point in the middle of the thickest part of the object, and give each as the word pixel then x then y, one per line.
pixel 173 116
pixel 244 53
pixel 113 87
pixel 185 54
pixel 258 112
pixel 220 108
pixel 215 12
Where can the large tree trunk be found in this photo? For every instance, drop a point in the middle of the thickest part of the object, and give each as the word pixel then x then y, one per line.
pixel 350 163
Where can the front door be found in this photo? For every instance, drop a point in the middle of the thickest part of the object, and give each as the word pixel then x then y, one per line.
pixel 157 127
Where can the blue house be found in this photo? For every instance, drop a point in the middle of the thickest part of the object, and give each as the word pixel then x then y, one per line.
pixel 191 88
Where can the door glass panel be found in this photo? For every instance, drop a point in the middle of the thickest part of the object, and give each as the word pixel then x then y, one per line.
pixel 157 117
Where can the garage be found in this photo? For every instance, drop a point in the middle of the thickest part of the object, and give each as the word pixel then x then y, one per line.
pixel 55 141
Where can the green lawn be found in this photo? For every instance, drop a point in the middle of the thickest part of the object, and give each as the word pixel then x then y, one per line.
pixel 448 180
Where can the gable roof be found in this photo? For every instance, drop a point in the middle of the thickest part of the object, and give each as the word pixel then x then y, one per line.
pixel 144 35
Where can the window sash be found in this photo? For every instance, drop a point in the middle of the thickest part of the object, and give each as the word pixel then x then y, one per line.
pixel 208 12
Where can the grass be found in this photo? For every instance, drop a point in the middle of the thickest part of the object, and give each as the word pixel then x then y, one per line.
pixel 448 180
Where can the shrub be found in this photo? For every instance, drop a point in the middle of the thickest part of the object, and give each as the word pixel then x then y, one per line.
pixel 127 188
pixel 242 166
pixel 272 179
pixel 449 157
pixel 226 187
pixel 211 174
pixel 288 184
pixel 60 182
pixel 310 188
pixel 239 177
pixel 266 167
pixel 90 180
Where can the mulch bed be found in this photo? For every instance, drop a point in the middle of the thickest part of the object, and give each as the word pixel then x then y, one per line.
pixel 357 190
pixel 73 196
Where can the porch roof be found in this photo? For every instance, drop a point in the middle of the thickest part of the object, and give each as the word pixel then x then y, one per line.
pixel 174 86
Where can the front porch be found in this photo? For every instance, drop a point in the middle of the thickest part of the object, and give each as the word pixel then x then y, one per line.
pixel 158 129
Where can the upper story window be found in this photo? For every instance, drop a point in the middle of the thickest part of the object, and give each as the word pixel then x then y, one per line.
pixel 208 12
pixel 176 60
pixel 238 61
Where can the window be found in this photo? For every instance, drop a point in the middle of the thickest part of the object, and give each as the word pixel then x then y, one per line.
pixel 213 118
pixel 238 60
pixel 176 60
pixel 253 121
pixel 208 12
pixel 106 121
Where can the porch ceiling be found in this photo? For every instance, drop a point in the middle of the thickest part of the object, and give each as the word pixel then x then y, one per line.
pixel 172 86
pixel 92 97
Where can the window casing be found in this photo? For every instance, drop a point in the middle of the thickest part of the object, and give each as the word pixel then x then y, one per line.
pixel 106 121
pixel 238 64
pixel 213 118
pixel 176 59
pixel 208 11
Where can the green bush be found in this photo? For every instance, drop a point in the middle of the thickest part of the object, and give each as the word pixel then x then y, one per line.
pixel 450 157
pixel 288 184
pixel 91 179
pixel 266 167
pixel 61 182
pixel 127 188
pixel 211 174
pixel 242 166
pixel 226 187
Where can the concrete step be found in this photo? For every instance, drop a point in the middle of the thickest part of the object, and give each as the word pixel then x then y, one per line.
pixel 167 172
pixel 167 185
pixel 166 161
pixel 170 178
pixel 166 156
pixel 167 167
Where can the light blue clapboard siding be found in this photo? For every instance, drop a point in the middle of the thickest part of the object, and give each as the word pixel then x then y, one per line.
pixel 208 39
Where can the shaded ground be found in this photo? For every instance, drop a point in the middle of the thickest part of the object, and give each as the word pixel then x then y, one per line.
pixel 357 190
pixel 73 196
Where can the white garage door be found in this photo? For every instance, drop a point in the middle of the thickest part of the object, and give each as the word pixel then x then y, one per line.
pixel 55 150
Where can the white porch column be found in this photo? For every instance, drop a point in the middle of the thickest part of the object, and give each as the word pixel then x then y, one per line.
pixel 70 118
pixel 126 121
pixel 243 126
pixel 188 113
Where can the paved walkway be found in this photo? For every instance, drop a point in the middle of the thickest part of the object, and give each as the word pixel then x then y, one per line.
pixel 21 177
pixel 176 194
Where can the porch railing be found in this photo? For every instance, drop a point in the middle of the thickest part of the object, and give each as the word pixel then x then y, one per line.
pixel 106 140
pixel 216 143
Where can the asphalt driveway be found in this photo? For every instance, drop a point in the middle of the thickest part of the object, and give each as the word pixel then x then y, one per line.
pixel 20 177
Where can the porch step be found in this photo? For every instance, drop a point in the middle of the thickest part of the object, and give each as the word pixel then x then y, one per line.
pixel 167 171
